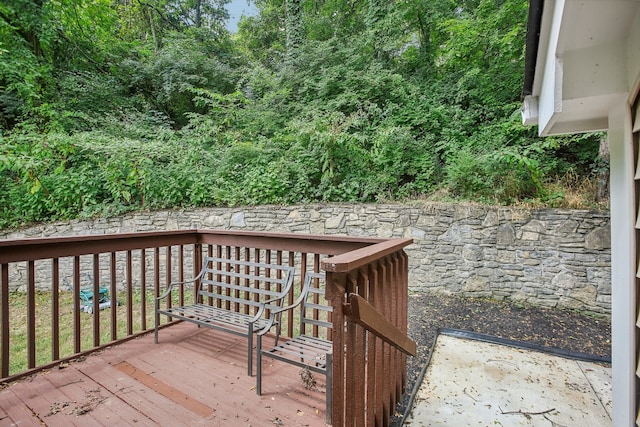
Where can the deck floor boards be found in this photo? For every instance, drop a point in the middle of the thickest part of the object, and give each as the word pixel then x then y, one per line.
pixel 194 376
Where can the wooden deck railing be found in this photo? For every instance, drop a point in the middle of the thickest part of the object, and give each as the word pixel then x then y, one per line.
pixel 42 324
pixel 368 289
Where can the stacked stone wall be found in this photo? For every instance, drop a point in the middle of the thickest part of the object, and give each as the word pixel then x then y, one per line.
pixel 549 257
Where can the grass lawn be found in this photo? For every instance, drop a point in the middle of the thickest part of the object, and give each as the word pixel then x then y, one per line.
pixel 43 305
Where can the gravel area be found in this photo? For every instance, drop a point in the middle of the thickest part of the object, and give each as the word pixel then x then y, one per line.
pixel 567 330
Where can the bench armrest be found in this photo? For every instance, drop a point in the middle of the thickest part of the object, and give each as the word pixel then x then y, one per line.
pixel 263 307
pixel 272 316
pixel 274 313
pixel 167 292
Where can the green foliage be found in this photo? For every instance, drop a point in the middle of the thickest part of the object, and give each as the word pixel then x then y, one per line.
pixel 404 165
pixel 166 79
pixel 260 38
pixel 107 107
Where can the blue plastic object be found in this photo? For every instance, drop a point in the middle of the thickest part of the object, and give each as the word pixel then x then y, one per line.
pixel 88 303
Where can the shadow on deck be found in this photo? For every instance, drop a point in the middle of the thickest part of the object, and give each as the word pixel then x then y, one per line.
pixel 192 377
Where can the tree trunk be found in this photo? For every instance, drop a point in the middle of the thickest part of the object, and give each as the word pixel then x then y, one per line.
pixel 153 32
pixel 375 13
pixel 28 32
pixel 293 21
pixel 602 193
pixel 198 22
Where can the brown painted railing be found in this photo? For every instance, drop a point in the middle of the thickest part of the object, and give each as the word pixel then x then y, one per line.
pixel 368 289
pixel 51 272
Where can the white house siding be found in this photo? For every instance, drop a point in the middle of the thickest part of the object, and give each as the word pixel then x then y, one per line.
pixel 587 78
pixel 623 212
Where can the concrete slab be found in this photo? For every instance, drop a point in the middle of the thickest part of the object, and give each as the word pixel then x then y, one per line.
pixel 477 383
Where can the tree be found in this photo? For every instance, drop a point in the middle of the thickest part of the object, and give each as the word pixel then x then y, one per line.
pixel 294 28
pixel 112 104
pixel 209 14
pixel 25 71
pixel 602 170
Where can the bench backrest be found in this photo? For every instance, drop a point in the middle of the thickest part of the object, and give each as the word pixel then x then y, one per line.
pixel 315 314
pixel 243 286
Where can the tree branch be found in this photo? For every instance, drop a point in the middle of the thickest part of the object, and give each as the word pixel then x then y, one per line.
pixel 28 36
pixel 526 414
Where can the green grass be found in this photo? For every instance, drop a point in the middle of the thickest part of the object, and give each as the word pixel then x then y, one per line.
pixel 18 360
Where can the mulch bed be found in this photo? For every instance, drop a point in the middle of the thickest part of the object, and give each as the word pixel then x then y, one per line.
pixel 567 330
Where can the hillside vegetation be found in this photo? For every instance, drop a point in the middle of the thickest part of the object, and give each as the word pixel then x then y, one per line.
pixel 109 106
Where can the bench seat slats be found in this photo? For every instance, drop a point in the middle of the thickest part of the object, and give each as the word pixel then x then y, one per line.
pixel 303 350
pixel 207 315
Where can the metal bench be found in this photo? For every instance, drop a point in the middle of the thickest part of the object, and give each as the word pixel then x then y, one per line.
pixel 306 350
pixel 235 296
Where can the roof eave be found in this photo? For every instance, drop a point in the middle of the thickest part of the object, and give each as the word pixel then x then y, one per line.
pixel 532 42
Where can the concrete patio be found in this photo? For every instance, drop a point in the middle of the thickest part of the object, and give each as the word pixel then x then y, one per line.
pixel 470 381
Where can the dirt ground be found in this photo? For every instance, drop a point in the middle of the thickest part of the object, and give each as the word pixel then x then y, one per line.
pixel 562 329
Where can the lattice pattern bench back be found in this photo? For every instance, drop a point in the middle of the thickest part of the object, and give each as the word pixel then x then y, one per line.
pixel 242 286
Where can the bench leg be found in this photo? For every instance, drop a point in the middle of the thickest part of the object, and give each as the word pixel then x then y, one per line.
pixel 259 365
pixel 250 352
pixel 157 322
pixel 329 394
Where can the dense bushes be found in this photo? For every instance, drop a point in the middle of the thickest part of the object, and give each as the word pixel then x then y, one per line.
pixel 116 107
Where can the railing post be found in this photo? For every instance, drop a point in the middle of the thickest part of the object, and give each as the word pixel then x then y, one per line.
pixel 129 291
pixel 360 279
pixel 403 279
pixel 143 289
pixel 31 315
pixel 77 344
pixel 373 343
pixel 168 270
pixel 4 316
pixel 378 303
pixel 197 266
pixel 386 348
pixel 181 273
pixel 156 273
pixel 55 309
pixel 113 295
pixel 96 300
pixel 334 293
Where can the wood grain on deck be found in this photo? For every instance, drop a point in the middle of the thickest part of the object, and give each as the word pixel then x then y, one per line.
pixel 194 376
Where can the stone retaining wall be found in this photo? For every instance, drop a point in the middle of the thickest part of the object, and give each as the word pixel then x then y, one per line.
pixel 549 257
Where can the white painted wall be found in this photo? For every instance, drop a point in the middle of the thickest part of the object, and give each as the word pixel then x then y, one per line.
pixel 623 295
pixel 633 52
pixel 595 71
pixel 587 70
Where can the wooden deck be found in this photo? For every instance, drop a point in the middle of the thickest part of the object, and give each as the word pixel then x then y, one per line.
pixel 192 377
